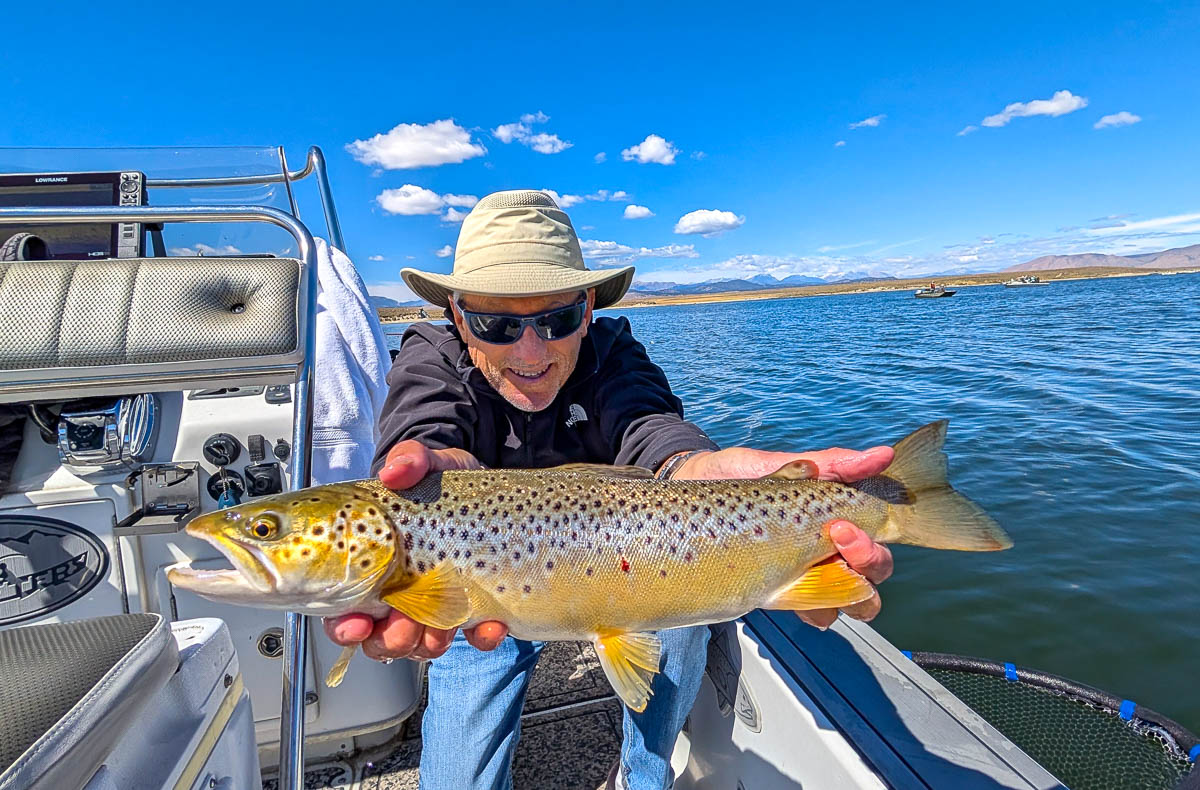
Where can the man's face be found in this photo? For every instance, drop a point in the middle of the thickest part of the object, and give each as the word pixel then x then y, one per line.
pixel 530 372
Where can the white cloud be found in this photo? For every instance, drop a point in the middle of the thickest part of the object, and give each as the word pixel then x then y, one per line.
pixel 708 222
pixel 840 247
pixel 375 258
pixel 652 149
pixel 611 253
pixel 874 120
pixel 698 155
pixel 201 250
pixel 1177 224
pixel 1061 103
pixel 412 200
pixel 522 132
pixel 454 216
pixel 444 252
pixel 564 201
pixel 967 130
pixel 603 194
pixel 637 212
pixel 839 144
pixel 462 201
pixel 1121 118
pixel 600 157
pixel 412 145
pixel 967 258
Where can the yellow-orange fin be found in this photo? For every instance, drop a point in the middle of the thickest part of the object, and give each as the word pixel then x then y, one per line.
pixel 796 470
pixel 436 599
pixel 630 662
pixel 824 586
pixel 338 671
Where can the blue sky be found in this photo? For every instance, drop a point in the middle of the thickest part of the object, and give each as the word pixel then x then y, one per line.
pixel 742 127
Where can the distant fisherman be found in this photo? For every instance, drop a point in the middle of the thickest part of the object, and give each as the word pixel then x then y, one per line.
pixel 525 378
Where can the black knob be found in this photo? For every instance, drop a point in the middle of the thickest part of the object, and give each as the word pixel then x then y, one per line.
pixel 282 450
pixel 221 449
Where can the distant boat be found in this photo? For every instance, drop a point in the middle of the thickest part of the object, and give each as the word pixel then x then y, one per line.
pixel 1021 282
pixel 933 292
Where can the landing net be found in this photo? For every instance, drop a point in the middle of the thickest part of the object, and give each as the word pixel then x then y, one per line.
pixel 1087 738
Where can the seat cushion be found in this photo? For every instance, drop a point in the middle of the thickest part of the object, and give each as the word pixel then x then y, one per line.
pixel 68 691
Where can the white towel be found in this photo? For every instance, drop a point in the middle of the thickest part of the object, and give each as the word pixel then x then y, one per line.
pixel 349 372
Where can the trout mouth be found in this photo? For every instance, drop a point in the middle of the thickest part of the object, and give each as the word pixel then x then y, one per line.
pixel 252 571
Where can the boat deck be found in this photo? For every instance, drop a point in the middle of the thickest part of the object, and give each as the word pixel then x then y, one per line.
pixel 570 734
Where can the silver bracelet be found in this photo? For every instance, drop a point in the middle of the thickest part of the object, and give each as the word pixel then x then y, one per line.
pixel 667 470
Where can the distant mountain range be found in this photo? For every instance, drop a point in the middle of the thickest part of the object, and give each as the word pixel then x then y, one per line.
pixel 383 301
pixel 759 282
pixel 1179 258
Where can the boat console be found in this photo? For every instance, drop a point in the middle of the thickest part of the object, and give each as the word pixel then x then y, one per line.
pixel 143 391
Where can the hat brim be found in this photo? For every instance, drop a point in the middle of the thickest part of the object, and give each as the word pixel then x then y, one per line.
pixel 519 280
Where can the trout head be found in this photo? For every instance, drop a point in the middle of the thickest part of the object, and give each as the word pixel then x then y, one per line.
pixel 319 551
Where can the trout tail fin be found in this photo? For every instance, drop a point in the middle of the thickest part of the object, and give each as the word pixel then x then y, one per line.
pixel 924 510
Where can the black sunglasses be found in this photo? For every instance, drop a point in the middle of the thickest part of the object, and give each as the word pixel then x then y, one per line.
pixel 501 330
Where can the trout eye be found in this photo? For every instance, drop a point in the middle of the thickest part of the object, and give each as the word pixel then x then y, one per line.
pixel 264 527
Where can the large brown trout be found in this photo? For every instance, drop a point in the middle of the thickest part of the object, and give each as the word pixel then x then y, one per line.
pixel 602 553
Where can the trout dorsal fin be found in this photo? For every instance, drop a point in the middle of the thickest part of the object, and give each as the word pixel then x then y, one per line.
pixel 605 470
pixel 435 599
pixel 630 662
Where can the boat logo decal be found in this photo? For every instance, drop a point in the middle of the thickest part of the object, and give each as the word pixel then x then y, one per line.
pixel 45 564
pixel 745 709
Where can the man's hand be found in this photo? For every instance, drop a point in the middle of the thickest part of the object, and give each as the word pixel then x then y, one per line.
pixel 397 635
pixel 871 559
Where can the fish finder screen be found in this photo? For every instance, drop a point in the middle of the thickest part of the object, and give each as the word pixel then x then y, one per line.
pixel 71 242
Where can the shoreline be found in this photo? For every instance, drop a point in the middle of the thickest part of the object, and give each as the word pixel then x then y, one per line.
pixel 392 315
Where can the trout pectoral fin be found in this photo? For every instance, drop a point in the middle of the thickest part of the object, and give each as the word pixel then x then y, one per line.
pixel 338 670
pixel 630 662
pixel 796 470
pixel 436 599
pixel 824 586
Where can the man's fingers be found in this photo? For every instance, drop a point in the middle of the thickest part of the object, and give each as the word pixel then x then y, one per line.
pixel 435 642
pixel 865 610
pixel 487 635
pixel 821 618
pixel 407 462
pixel 861 553
pixel 349 629
pixel 396 636
pixel 846 466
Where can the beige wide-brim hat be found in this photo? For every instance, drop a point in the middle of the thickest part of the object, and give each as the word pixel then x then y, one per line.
pixel 518 243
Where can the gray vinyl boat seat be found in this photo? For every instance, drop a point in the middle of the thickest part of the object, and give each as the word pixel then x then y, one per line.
pixel 71 690
pixel 73 329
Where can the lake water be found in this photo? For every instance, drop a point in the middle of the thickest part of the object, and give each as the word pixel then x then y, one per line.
pixel 1074 420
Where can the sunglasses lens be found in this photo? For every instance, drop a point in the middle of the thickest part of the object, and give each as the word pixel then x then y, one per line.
pixel 560 323
pixel 494 328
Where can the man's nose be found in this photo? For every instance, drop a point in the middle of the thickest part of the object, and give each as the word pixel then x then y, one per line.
pixel 529 346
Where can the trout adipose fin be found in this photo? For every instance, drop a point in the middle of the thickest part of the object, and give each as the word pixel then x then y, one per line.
pixel 630 662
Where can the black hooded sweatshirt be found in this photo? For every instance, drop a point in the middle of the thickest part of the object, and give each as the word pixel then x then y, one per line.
pixel 616 407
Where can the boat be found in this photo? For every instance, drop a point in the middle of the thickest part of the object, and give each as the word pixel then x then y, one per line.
pixel 1023 281
pixel 933 291
pixel 139 685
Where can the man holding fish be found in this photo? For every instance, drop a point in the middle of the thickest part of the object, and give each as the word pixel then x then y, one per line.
pixel 525 379
pixel 537 481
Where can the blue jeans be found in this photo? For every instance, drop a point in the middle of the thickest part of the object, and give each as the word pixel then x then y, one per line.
pixel 473 719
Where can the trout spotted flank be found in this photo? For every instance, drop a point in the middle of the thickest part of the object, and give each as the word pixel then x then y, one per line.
pixel 606 554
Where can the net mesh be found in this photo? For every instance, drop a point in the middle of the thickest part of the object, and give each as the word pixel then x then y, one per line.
pixel 1087 746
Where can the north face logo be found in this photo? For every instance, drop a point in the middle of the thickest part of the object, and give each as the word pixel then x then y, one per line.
pixel 577 415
